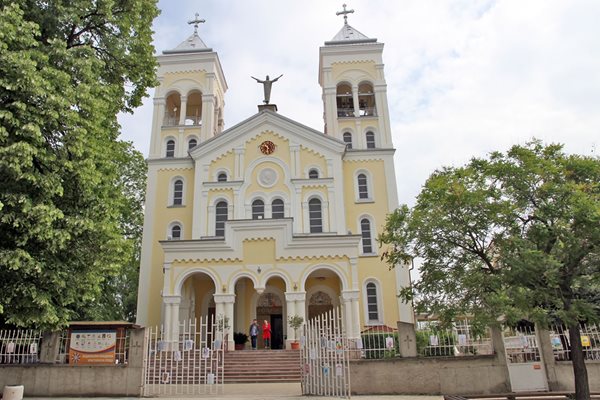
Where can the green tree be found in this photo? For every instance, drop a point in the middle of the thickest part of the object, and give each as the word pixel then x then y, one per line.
pixel 66 69
pixel 513 236
pixel 118 292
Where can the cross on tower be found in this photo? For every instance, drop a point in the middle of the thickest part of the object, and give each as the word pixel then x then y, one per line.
pixel 345 14
pixel 196 22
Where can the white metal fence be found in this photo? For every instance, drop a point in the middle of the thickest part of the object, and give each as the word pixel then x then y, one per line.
pixel 191 364
pixel 590 342
pixel 379 342
pixel 324 353
pixel 20 346
pixel 456 341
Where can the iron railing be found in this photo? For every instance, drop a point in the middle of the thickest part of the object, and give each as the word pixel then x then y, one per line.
pixel 20 346
pixel 458 340
pixel 590 342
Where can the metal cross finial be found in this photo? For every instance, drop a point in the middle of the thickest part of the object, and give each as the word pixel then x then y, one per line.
pixel 196 22
pixel 345 14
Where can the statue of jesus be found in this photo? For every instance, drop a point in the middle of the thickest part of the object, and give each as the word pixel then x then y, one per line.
pixel 267 86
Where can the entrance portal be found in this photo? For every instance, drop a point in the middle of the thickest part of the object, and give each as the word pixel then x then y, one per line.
pixel 269 308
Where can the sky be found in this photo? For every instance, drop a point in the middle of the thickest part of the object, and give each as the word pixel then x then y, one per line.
pixel 464 78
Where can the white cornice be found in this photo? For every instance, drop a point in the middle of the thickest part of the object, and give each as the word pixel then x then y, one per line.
pixel 170 163
pixel 286 244
pixel 371 154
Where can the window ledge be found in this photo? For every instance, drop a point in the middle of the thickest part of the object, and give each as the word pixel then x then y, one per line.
pixel 176 206
pixel 364 201
pixel 369 255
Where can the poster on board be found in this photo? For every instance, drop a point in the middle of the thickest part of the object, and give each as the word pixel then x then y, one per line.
pixel 92 347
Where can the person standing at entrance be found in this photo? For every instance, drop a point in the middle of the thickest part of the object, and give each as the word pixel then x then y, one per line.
pixel 253 333
pixel 266 328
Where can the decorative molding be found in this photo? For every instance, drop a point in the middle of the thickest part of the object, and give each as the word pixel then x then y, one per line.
pixel 320 299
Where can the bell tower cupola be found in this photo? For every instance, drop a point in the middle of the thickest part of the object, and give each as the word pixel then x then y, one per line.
pixel 189 101
pixel 354 89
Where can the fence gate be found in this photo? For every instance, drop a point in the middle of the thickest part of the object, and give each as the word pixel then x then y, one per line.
pixel 325 356
pixel 525 365
pixel 190 364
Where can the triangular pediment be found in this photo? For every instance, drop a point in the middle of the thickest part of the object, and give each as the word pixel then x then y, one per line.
pixel 266 120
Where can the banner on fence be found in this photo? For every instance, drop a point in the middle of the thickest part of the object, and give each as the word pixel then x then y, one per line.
pixel 92 347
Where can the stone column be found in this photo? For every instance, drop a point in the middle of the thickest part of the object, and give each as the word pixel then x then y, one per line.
pixel 295 306
pixel 171 319
pixel 183 110
pixel 224 309
pixel 355 100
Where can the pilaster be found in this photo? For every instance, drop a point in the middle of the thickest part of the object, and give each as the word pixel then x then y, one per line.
pixel 351 313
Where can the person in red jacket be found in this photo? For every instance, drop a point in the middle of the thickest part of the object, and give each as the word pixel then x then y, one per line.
pixel 266 328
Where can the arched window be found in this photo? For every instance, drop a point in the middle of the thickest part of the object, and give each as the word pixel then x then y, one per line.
pixel 178 192
pixel 348 140
pixel 363 187
pixel 193 112
pixel 313 174
pixel 372 306
pixel 315 216
pixel 170 148
pixel 176 232
pixel 365 232
pixel 345 103
pixel 277 209
pixel 370 140
pixel 222 177
pixel 366 100
pixel 172 110
pixel 192 143
pixel 258 209
pixel 220 218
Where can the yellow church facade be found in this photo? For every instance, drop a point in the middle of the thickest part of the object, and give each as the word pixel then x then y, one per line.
pixel 270 218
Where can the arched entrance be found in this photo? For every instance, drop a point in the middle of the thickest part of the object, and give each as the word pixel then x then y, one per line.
pixel 197 297
pixel 323 289
pixel 270 307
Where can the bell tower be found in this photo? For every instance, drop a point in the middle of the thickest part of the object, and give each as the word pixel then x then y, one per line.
pixel 354 89
pixel 189 101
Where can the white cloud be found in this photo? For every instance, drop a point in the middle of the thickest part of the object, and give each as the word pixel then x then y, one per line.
pixel 464 78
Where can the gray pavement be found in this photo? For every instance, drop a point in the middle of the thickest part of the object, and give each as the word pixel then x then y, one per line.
pixel 255 391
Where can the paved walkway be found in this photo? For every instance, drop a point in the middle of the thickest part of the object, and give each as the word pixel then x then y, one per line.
pixel 255 391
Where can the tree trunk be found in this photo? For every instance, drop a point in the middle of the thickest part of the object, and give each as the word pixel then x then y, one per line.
pixel 582 387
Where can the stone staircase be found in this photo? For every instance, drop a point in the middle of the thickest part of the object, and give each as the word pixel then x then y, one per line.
pixel 254 366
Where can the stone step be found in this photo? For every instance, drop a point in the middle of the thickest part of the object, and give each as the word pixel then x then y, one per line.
pixel 241 366
pixel 256 366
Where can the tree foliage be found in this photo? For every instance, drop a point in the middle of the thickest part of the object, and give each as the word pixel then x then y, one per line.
pixel 66 69
pixel 514 236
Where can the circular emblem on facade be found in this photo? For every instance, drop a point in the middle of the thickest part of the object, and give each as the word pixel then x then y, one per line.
pixel 267 177
pixel 267 147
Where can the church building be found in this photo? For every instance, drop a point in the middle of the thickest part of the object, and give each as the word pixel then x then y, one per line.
pixel 269 218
